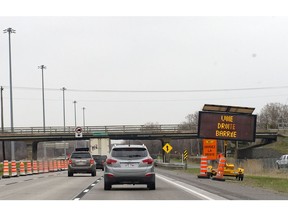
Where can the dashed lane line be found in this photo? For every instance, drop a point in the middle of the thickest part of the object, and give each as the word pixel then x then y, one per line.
pixel 86 190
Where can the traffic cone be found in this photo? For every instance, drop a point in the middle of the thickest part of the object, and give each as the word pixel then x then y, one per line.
pixel 203 167
pixel 22 169
pixel 13 169
pixel 220 171
pixel 35 167
pixel 29 168
pixel 6 173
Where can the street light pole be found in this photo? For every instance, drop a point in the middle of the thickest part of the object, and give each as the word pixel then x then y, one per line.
pixel 9 31
pixel 2 111
pixel 84 117
pixel 42 67
pixel 2 123
pixel 64 124
pixel 75 113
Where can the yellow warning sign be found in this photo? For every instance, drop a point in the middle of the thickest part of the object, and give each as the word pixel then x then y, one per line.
pixel 185 154
pixel 167 148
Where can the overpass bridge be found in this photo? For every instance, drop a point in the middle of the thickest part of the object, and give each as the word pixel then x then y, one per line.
pixel 117 132
pixel 163 132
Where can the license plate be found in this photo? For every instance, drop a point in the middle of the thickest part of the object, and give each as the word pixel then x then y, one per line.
pixel 129 164
pixel 81 162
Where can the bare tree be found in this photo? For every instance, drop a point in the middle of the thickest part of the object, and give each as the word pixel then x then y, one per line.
pixel 272 115
pixel 191 121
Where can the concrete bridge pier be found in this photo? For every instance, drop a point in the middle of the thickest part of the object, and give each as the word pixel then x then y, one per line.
pixel 32 150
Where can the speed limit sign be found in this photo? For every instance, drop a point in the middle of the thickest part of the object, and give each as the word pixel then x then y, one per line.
pixel 78 132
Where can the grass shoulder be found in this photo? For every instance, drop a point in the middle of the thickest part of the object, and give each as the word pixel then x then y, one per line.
pixel 276 181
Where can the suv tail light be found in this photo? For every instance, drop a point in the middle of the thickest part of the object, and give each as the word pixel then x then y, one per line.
pixel 70 161
pixel 148 161
pixel 111 161
pixel 91 161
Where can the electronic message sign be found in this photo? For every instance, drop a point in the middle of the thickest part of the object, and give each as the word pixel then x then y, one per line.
pixel 227 126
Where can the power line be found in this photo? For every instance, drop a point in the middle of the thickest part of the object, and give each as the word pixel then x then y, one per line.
pixel 154 91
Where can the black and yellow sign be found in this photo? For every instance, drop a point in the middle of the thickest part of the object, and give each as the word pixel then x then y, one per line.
pixel 227 126
pixel 185 154
pixel 167 148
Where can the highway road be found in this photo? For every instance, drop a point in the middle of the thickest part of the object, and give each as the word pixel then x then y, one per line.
pixel 170 185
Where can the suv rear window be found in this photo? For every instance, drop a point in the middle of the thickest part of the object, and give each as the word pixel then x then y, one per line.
pixel 81 155
pixel 129 152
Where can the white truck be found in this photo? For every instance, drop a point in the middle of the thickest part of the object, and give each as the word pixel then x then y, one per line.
pixel 100 146
pixel 282 162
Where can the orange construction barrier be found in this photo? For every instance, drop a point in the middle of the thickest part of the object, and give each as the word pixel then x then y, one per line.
pixel 22 169
pixel 13 169
pixel 6 173
pixel 65 164
pixel 55 165
pixel 62 164
pixel 59 165
pixel 35 167
pixel 29 168
pixel 40 166
pixel 46 167
pixel 220 170
pixel 203 167
pixel 51 167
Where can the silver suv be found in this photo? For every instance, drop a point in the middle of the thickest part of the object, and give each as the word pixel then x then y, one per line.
pixel 282 162
pixel 129 164
pixel 81 161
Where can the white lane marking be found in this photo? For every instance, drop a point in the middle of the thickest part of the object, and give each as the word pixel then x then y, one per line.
pixel 85 191
pixel 92 185
pixel 76 199
pixel 193 190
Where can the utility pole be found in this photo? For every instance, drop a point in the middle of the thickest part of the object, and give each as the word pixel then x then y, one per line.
pixel 42 67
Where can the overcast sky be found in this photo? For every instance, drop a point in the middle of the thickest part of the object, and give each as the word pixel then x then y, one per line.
pixel 158 68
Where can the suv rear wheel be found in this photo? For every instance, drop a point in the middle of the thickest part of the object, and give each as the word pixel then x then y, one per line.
pixel 151 186
pixel 107 186
pixel 70 173
pixel 93 173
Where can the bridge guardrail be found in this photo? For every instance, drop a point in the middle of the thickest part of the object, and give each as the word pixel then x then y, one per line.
pixel 176 128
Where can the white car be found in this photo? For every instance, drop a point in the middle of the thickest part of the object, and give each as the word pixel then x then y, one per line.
pixel 282 162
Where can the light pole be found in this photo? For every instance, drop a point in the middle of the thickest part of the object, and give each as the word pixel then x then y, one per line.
pixel 84 117
pixel 42 67
pixel 64 124
pixel 9 31
pixel 2 123
pixel 2 111
pixel 75 113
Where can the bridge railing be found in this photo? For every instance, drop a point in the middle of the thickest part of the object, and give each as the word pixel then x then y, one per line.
pixel 171 128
